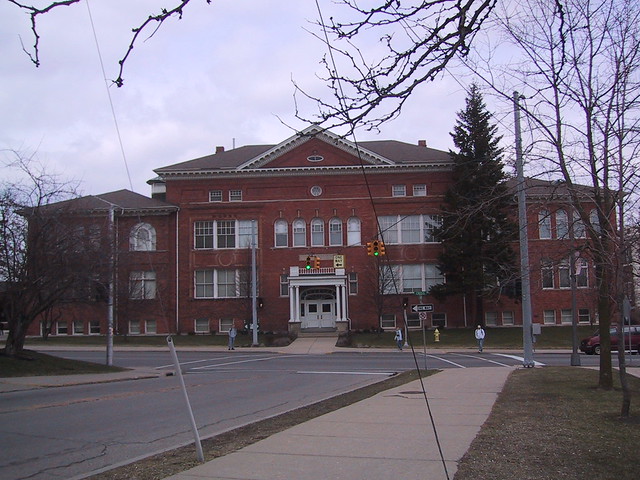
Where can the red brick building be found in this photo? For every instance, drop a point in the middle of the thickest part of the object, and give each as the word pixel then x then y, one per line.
pixel 184 257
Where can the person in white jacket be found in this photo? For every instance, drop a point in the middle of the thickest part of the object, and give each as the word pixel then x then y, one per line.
pixel 480 337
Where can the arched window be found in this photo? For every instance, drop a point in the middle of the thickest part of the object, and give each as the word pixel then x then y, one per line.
pixel 335 231
pixel 562 224
pixel 317 232
pixel 299 233
pixel 544 224
pixel 353 231
pixel 142 238
pixel 281 230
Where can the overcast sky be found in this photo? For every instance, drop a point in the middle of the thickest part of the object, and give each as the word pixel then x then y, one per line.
pixel 221 75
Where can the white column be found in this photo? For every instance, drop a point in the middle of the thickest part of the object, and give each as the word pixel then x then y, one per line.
pixel 292 302
pixel 345 296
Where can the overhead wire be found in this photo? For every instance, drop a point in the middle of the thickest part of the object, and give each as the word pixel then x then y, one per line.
pixel 380 232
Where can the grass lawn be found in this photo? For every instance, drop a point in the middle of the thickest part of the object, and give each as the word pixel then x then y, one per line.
pixel 35 364
pixel 552 423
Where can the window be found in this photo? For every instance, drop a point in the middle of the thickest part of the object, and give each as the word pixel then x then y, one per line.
pixel 413 320
pixel 61 328
pixel 226 283
pixel 284 285
pixel 431 224
pixel 507 318
pixel 544 225
pixel 226 233
pixel 235 195
pixel 578 228
pixel 566 315
pixel 281 230
pixel 389 228
pixel 388 321
pixel 389 279
pixel 299 233
pixel 335 232
pixel 433 276
pixel 562 224
pixel 595 221
pixel 78 327
pixel 547 274
pixel 225 324
pixel 491 318
pixel 246 232
pixel 94 327
pixel 134 327
pixel 420 190
pixel 353 283
pixel 399 191
pixel 411 278
pixel 439 319
pixel 203 232
pixel 142 285
pixel 204 284
pixel 564 277
pixel 410 229
pixel 583 315
pixel 582 273
pixel 201 325
pixel 150 327
pixel 549 317
pixel 215 196
pixel 317 232
pixel 142 238
pixel 353 231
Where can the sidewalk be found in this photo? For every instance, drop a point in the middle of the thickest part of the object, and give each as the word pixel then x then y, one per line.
pixel 386 436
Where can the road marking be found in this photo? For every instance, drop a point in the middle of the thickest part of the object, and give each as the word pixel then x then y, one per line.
pixel 205 360
pixel 235 363
pixel 484 359
pixel 312 372
pixel 446 361
pixel 521 359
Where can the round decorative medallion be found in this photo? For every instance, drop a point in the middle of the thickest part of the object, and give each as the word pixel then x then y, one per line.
pixel 316 191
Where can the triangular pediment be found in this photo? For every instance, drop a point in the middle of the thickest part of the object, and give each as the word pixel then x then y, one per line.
pixel 314 148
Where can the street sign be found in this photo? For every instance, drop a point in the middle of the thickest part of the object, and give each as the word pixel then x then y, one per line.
pixel 422 308
pixel 338 261
pixel 420 294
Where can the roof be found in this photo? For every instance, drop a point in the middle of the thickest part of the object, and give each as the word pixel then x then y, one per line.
pixel 549 189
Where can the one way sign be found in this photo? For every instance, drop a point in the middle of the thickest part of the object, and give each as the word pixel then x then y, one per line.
pixel 422 308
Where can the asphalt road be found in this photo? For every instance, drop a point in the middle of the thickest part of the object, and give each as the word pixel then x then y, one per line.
pixel 68 432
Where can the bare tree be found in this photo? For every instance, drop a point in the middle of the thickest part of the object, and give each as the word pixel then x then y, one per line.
pixel 577 63
pixel 43 255
pixel 151 24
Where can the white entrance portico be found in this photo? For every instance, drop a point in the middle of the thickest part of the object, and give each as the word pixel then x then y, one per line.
pixel 317 299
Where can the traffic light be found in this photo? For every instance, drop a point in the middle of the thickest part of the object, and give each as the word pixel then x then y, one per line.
pixel 382 249
pixel 370 249
pixel 376 247
pixel 316 263
pixel 308 264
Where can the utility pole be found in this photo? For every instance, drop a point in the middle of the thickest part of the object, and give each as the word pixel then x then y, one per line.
pixel 254 284
pixel 527 327
pixel 111 300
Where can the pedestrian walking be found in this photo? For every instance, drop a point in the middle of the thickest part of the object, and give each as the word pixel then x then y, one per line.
pixel 398 338
pixel 480 334
pixel 232 337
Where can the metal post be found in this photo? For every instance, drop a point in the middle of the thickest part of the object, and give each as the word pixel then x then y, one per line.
pixel 254 284
pixel 111 300
pixel 575 356
pixel 194 428
pixel 527 333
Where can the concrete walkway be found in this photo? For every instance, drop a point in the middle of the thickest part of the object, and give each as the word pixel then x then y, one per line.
pixel 383 437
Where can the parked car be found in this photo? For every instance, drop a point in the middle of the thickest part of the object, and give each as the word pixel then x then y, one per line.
pixel 591 345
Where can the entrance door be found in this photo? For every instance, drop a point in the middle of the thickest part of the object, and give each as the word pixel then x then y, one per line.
pixel 319 314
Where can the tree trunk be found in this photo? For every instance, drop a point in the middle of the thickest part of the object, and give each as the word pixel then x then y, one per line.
pixel 15 338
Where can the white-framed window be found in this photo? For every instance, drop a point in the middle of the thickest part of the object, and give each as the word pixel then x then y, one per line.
pixel 150 327
pixel 413 320
pixel 142 285
pixel 410 229
pixel 432 276
pixel 94 327
pixel 420 190
pixel 78 327
pixel 507 318
pixel 246 232
pixel 549 317
pixel 582 273
pixel 564 274
pixel 353 283
pixel 218 283
pixel 61 327
pixel 201 325
pixel 317 232
pixel 281 232
pixel 562 224
pixel 134 327
pixel 235 195
pixel 225 324
pixel 284 285
pixel 409 278
pixel 389 228
pixel 399 191
pixel 353 231
pixel 584 316
pixel 203 234
pixel 388 321
pixel 142 238
pixel 491 319
pixel 335 232
pixel 431 224
pixel 226 234
pixel 299 233
pixel 439 319
pixel 215 195
pixel 546 273
pixel 544 225
pixel 566 316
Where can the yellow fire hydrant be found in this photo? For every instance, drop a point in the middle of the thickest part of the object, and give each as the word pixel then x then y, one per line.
pixel 436 335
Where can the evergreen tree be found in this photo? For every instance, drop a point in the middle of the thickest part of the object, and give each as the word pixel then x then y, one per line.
pixel 476 232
